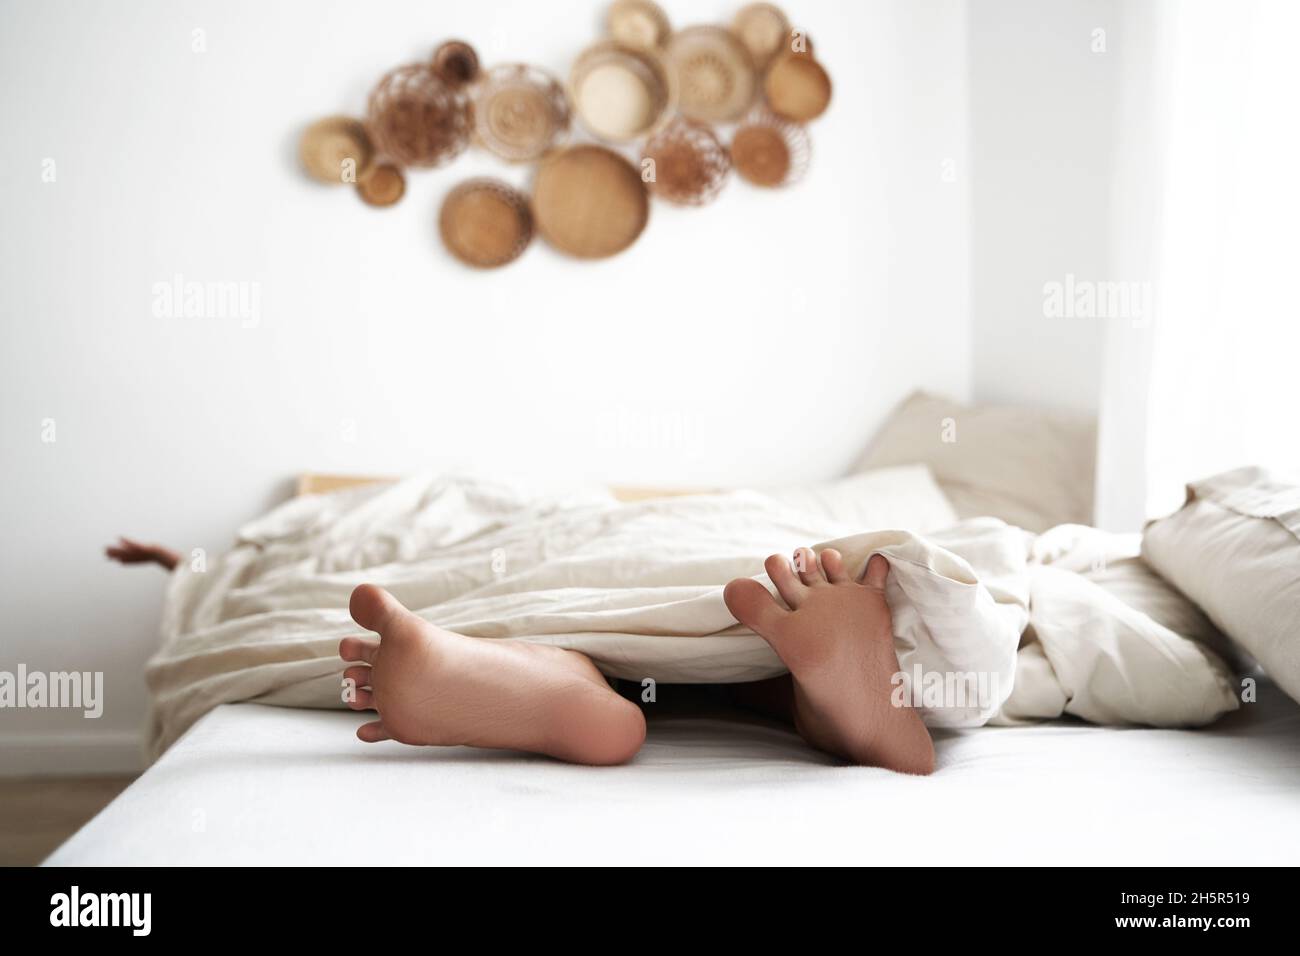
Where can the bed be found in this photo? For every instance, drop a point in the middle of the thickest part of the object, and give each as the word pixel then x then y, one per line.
pixel 252 784
pixel 255 784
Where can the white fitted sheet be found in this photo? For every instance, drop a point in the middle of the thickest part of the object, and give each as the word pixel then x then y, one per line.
pixel 252 784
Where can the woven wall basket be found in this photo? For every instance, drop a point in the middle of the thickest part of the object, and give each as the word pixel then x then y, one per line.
pixel 416 118
pixel 690 163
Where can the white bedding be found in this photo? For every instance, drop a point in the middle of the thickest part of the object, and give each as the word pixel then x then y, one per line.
pixel 638 588
pixel 251 784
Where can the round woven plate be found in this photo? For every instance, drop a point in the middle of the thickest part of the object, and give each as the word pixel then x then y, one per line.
pixel 690 163
pixel 797 87
pixel 328 143
pixel 485 223
pixel 590 202
pixel 763 29
pixel 417 118
pixel 638 23
pixel 768 151
pixel 621 92
pixel 520 112
pixel 714 72
pixel 384 185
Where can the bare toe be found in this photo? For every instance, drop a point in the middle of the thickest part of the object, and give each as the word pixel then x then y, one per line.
pixel 753 605
pixel 358 649
pixel 361 700
pixel 372 607
pixel 877 572
pixel 810 572
pixel 790 588
pixel 372 732
pixel 360 675
pixel 833 566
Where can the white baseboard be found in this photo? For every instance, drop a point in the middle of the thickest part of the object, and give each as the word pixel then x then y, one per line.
pixel 70 754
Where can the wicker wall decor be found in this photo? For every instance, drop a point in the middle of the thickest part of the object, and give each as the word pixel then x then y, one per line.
pixel 764 30
pixel 689 163
pixel 486 223
pixel 417 119
pixel 638 23
pixel 622 92
pixel 383 185
pixel 769 151
pixel 797 87
pixel 334 148
pixel 455 62
pixel 520 112
pixel 590 202
pixel 716 79
pixel 668 91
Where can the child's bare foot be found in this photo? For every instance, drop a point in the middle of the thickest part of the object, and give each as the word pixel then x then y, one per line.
pixel 837 640
pixel 432 686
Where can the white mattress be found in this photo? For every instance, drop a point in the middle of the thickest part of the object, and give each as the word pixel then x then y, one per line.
pixel 253 784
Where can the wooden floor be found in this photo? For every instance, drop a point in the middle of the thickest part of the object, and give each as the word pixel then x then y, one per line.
pixel 38 814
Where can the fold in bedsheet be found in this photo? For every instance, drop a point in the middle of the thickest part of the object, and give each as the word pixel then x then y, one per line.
pixel 638 588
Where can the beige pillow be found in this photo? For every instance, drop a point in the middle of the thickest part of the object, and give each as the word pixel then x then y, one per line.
pixel 1234 549
pixel 904 498
pixel 1031 468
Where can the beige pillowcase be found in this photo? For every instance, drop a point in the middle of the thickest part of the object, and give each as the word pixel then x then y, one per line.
pixel 1234 549
pixel 1031 468
pixel 904 498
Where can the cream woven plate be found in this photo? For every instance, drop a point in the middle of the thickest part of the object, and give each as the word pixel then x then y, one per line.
pixel 621 93
pixel 520 112
pixel 714 72
pixel 763 29
pixel 638 23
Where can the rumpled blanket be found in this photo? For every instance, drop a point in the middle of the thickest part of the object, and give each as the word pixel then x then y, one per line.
pixel 991 623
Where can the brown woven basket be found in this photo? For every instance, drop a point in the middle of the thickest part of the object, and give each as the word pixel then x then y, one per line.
pixel 486 223
pixel 384 185
pixel 417 119
pixel 769 151
pixel 589 201
pixel 456 62
pixel 690 163
pixel 797 87
pixel 329 143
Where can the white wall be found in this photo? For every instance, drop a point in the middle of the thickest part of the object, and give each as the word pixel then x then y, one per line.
pixel 761 339
pixel 1138 185
pixel 1043 115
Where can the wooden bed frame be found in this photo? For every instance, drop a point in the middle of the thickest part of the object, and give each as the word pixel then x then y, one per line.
pixel 311 483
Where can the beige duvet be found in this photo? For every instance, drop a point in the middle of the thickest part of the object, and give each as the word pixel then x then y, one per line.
pixel 638 587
